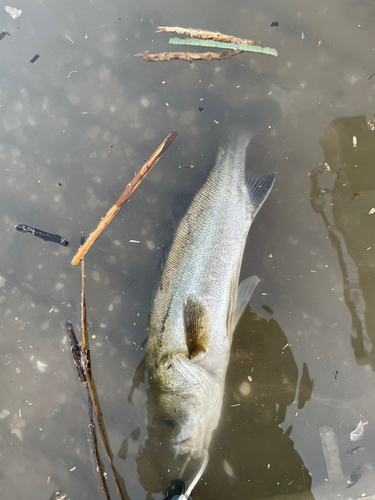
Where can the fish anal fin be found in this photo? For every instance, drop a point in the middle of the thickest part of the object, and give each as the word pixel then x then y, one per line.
pixel 245 291
pixel 197 327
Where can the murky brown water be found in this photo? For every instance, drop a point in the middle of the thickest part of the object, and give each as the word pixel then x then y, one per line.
pixel 312 244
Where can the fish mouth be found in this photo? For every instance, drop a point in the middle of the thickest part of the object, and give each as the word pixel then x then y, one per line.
pixel 188 445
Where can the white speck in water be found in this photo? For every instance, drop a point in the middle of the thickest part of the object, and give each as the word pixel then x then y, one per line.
pixel 145 102
pixel 228 469
pixel 41 366
pixel 59 286
pixel 4 414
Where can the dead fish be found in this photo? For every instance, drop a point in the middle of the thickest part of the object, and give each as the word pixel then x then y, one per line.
pixel 197 301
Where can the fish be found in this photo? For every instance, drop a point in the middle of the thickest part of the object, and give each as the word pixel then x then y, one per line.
pixel 197 301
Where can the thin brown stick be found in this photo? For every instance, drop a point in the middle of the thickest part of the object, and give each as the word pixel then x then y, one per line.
pixel 81 361
pixel 188 56
pixel 125 195
pixel 95 449
pixel 99 419
pixel 92 394
pixel 83 305
pixel 205 35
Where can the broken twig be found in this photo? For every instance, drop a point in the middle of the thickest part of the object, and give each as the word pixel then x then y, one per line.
pixel 205 35
pixel 123 198
pixel 188 56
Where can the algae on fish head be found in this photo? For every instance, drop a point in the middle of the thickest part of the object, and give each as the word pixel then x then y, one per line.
pixel 198 302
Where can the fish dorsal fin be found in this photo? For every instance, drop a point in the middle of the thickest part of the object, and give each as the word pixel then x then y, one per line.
pixel 245 291
pixel 163 259
pixel 197 327
pixel 259 187
pixel 180 204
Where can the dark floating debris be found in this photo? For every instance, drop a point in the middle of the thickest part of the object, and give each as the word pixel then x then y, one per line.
pixel 275 23
pixel 267 309
pixel 200 109
pixel 3 34
pixel 336 374
pixel 355 476
pixel 354 450
pixel 55 238
pixel 58 495
pixel 33 59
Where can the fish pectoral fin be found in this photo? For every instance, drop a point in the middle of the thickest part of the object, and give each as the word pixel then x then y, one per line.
pixel 245 291
pixel 197 327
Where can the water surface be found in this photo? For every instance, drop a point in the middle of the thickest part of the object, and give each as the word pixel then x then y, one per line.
pixel 303 355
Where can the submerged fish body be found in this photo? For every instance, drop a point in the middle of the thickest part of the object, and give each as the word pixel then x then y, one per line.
pixel 197 301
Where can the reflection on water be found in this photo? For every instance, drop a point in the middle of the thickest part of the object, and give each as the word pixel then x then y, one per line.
pixel 342 194
pixel 261 383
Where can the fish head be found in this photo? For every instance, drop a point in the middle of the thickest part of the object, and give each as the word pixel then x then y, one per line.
pixel 184 405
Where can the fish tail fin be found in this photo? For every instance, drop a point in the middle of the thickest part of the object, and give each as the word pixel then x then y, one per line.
pixel 259 187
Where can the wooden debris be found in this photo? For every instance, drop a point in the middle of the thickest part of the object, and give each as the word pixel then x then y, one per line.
pixel 205 35
pixel 125 195
pixel 55 238
pixel 3 34
pixel 188 56
pixel 81 357
pixel 232 46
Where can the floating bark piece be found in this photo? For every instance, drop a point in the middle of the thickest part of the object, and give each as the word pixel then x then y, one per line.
pixel 206 35
pixel 55 238
pixel 188 56
pixel 125 195
pixel 35 58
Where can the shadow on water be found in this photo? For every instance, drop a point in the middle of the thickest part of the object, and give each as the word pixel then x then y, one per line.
pixel 342 195
pixel 250 457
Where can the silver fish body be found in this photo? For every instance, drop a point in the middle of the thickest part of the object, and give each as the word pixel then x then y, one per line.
pixel 198 302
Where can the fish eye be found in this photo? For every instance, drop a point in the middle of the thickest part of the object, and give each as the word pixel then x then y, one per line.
pixel 168 422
